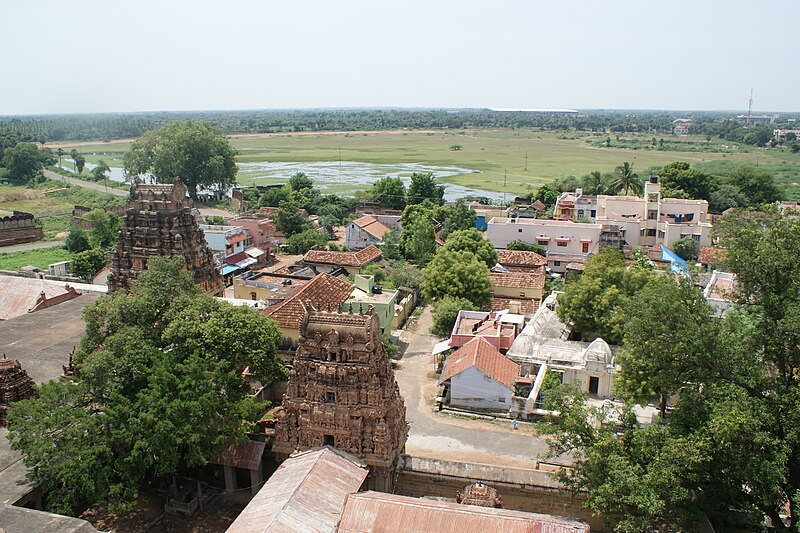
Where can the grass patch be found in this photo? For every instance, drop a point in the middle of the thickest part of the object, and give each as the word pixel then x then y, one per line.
pixel 53 198
pixel 52 225
pixel 550 155
pixel 38 258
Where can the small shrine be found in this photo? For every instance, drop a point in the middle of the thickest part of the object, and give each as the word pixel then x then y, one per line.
pixel 15 385
pixel 159 221
pixel 480 495
pixel 342 393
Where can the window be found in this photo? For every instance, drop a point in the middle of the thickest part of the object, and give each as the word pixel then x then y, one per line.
pixel 328 440
pixel 519 230
pixel 594 213
pixel 253 296
pixel 500 399
pixel 330 397
pixel 522 295
pixel 556 263
pixel 580 213
pixel 563 244
pixel 696 237
pixel 585 247
pixel 542 243
pixel 651 233
pixel 652 214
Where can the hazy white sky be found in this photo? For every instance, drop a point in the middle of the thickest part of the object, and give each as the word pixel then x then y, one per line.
pixel 140 55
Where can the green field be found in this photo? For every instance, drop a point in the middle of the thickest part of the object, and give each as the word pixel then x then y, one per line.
pixel 493 153
pixel 38 258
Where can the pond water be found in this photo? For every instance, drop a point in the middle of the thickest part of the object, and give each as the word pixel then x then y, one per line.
pixel 341 175
pixel 358 175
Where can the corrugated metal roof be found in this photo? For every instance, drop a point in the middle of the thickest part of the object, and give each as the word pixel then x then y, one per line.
pixel 307 493
pixel 377 512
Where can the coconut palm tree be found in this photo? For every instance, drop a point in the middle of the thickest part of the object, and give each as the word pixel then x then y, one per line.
pixel 626 180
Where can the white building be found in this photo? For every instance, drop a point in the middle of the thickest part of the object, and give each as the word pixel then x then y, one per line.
pixel 478 376
pixel 652 221
pixel 369 230
pixel 565 241
pixel 719 292
pixel 544 345
pixel 226 240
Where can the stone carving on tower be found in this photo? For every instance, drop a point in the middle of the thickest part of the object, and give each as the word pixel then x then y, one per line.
pixel 159 221
pixel 342 393
pixel 15 385
pixel 480 495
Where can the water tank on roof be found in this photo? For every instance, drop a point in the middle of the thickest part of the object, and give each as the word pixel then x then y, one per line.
pixel 377 289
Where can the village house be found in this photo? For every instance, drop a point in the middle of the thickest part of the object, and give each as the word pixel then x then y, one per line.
pixel 369 230
pixel 477 375
pixel 323 290
pixel 270 287
pixel 710 257
pixel 351 262
pixel 576 206
pixel 564 241
pixel 367 294
pixel 499 329
pixel 720 291
pixel 680 126
pixel 544 345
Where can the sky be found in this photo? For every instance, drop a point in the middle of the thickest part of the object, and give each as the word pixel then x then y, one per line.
pixel 80 56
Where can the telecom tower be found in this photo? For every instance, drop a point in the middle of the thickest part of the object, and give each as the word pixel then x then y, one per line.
pixel 750 107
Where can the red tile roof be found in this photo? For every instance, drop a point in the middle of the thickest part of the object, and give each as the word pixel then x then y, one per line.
pixel 710 255
pixel 479 353
pixel 359 258
pixel 518 280
pixel 239 237
pixel 372 225
pixel 322 289
pixel 526 305
pixel 520 258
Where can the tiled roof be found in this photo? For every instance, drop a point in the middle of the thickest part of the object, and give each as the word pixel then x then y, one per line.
pixel 358 258
pixel 710 255
pixel 268 211
pixel 479 353
pixel 371 225
pixel 323 289
pixel 245 455
pixel 377 512
pixel 526 305
pixel 307 493
pixel 520 258
pixel 518 280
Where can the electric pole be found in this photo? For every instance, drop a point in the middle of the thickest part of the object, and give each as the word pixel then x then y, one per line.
pixel 526 160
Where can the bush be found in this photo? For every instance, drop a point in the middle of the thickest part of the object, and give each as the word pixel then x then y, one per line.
pixel 686 248
pixel 445 312
pixel 89 262
pixel 77 241
pixel 374 269
pixel 302 242
pixel 406 275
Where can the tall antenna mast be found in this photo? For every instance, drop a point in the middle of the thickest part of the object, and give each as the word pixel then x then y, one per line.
pixel 750 107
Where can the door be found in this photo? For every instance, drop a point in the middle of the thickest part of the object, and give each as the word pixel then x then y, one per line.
pixel 594 384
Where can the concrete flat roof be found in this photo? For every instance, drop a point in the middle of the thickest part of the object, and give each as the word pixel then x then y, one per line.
pixel 14 482
pixel 42 341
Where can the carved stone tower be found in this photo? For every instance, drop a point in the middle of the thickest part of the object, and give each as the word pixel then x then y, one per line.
pixel 342 393
pixel 159 221
pixel 15 385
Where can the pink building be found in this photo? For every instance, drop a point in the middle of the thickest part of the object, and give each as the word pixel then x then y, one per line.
pixel 499 330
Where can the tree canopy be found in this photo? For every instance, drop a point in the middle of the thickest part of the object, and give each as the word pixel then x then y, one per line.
pixel 423 187
pixel 160 389
pixel 194 151
pixel 679 176
pixel 25 162
pixel 473 241
pixel 728 451
pixel 459 274
pixel 626 180
pixel 390 192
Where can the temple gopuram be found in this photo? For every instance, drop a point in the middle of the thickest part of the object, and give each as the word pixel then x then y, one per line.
pixel 159 221
pixel 342 393
pixel 15 385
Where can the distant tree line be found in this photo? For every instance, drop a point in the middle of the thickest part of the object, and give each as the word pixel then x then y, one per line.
pixel 57 128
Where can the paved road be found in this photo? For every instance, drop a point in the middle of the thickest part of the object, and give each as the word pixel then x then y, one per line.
pixel 30 246
pixel 441 435
pixel 85 184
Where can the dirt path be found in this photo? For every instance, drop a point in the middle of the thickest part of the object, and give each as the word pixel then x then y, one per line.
pixel 85 184
pixel 441 435
pixel 30 246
